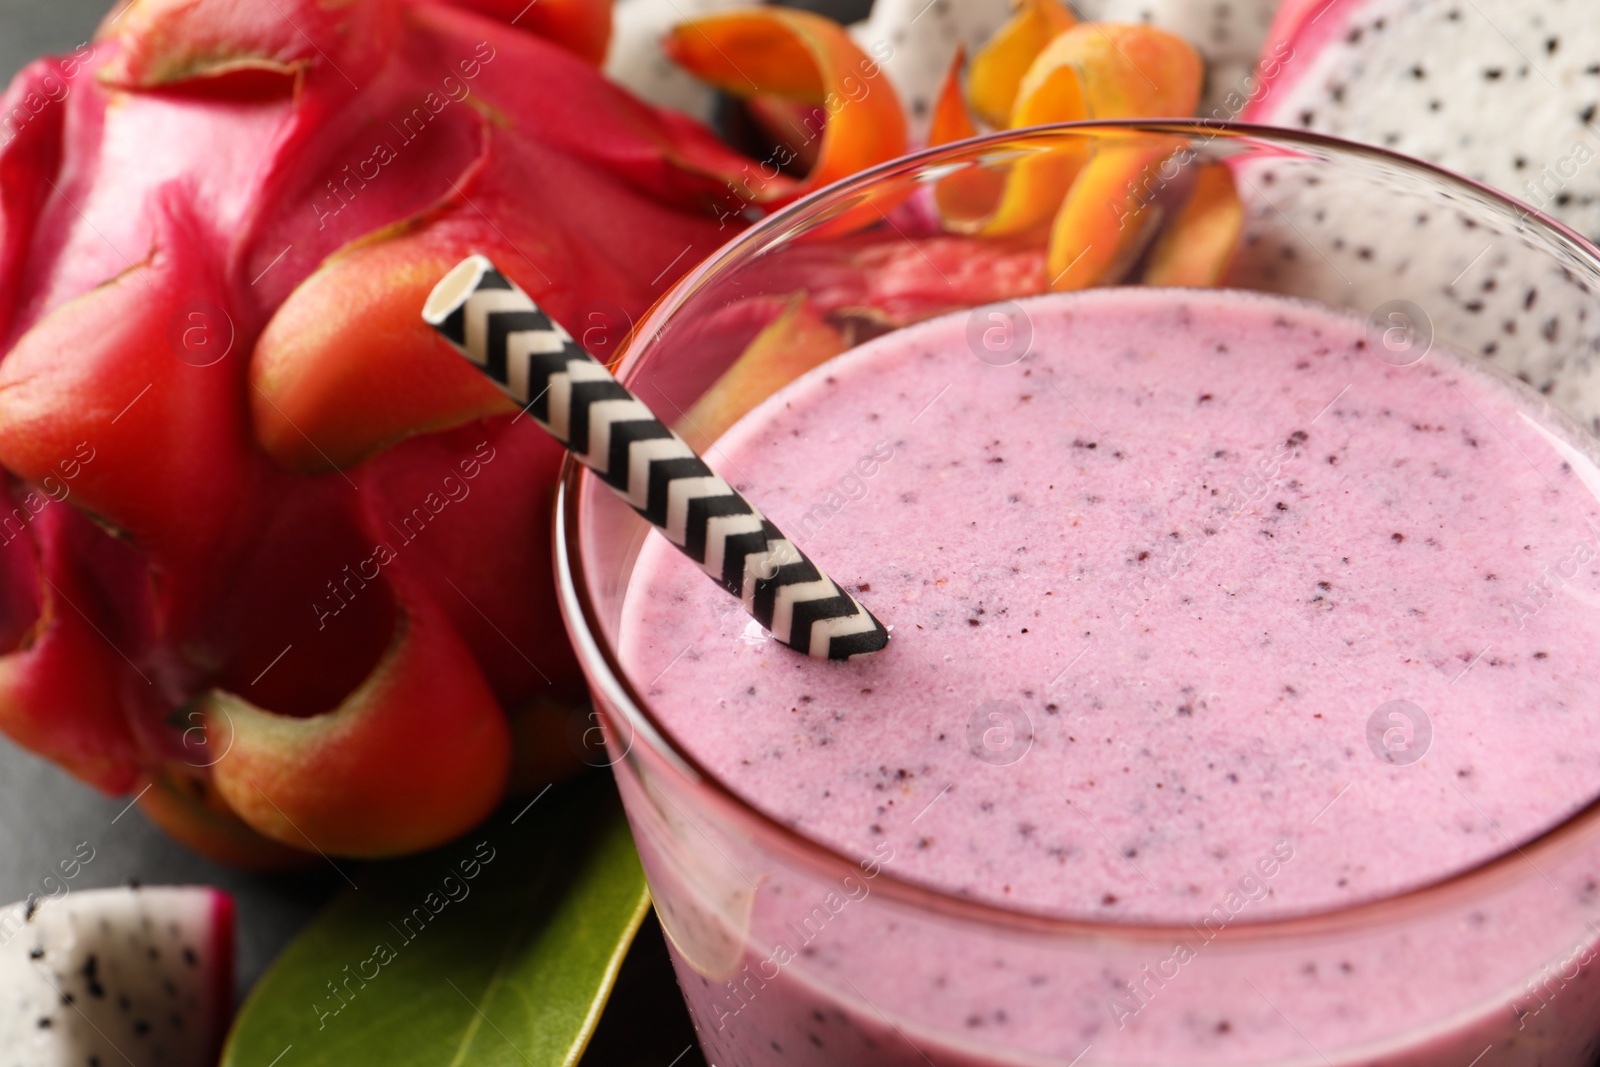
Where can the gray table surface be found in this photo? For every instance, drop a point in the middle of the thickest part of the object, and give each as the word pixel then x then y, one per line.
pixel 31 28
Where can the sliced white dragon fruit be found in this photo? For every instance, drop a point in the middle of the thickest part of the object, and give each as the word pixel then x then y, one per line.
pixel 1484 282
pixel 1503 91
pixel 111 977
pixel 1500 90
pixel 635 58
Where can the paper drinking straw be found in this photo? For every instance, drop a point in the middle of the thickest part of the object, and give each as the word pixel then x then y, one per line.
pixel 611 431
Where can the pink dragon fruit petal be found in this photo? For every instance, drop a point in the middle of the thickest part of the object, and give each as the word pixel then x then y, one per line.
pixel 62 685
pixel 165 43
pixel 581 26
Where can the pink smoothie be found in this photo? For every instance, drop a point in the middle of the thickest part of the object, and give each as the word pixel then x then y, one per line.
pixel 1199 604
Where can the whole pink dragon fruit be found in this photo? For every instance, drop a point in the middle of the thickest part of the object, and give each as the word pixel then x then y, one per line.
pixel 231 567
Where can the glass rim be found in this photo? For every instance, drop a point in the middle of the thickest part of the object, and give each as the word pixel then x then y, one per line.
pixel 604 670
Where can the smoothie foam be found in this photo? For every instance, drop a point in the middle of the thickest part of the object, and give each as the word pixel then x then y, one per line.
pixel 1155 592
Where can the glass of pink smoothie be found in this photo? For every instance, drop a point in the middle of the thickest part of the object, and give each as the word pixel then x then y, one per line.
pixel 1242 704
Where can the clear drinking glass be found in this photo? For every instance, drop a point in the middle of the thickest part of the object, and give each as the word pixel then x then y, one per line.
pixel 789 952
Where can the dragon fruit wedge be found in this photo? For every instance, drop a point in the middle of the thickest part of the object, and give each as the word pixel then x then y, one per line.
pixel 1511 299
pixel 1428 78
pixel 1503 91
pixel 102 977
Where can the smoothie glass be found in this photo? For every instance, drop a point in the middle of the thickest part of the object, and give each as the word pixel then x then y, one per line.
pixel 789 952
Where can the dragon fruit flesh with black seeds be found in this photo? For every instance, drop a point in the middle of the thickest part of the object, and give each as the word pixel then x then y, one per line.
pixel 1503 91
pixel 1426 78
pixel 1363 241
pixel 110 977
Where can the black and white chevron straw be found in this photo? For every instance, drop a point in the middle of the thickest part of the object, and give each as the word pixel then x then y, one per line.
pixel 611 431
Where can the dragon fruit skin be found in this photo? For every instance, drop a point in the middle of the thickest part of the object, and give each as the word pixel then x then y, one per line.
pixel 251 574
pixel 107 976
pixel 1503 92
pixel 1351 68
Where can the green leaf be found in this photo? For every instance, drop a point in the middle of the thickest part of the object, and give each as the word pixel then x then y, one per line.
pixel 424 965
